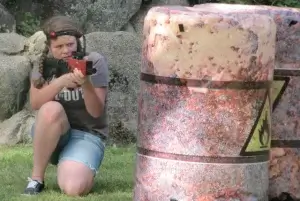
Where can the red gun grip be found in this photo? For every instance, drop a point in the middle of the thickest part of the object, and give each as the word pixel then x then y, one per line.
pixel 79 64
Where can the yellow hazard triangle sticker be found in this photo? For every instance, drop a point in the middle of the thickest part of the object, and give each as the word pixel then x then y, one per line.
pixel 259 140
pixel 278 88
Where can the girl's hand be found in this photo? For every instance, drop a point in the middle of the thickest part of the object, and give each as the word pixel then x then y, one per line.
pixel 72 80
pixel 67 81
pixel 78 77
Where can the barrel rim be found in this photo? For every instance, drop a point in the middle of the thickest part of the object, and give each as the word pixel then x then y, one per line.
pixel 261 157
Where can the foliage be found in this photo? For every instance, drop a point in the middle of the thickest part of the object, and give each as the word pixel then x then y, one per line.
pixel 29 25
pixel 281 3
pixel 27 21
pixel 120 135
pixel 287 3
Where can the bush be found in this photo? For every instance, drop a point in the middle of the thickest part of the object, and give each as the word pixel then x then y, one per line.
pixel 29 25
pixel 281 3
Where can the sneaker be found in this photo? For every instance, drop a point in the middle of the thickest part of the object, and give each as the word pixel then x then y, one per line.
pixel 34 187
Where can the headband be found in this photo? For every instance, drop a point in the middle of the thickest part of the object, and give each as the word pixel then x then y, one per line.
pixel 55 34
pixel 77 34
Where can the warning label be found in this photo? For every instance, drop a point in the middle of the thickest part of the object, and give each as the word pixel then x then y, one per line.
pixel 279 85
pixel 259 140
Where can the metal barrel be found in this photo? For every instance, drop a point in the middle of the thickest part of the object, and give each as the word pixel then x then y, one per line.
pixel 204 105
pixel 285 146
pixel 287 22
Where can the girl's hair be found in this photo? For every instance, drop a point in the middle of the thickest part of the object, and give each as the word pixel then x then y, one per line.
pixel 55 24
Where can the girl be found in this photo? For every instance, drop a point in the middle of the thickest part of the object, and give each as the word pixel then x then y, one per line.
pixel 71 125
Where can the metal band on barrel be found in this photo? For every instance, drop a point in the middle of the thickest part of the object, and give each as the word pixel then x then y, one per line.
pixel 204 159
pixel 211 84
pixel 285 143
pixel 284 74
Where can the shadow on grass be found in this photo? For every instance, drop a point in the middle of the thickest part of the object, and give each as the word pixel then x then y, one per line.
pixel 100 186
pixel 111 186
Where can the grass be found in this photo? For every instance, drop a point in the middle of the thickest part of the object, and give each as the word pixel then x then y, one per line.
pixel 114 181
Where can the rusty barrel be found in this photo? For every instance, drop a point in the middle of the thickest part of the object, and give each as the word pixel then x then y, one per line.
pixel 285 145
pixel 204 105
pixel 287 22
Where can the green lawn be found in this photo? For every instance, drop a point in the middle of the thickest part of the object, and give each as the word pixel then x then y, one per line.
pixel 114 182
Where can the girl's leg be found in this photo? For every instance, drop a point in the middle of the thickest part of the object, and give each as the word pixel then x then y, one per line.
pixel 51 123
pixel 79 162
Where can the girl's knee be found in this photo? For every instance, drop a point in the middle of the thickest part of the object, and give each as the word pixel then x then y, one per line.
pixel 74 187
pixel 51 112
pixel 74 179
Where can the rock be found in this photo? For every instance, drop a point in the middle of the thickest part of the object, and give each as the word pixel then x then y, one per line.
pixel 99 15
pixel 123 50
pixel 277 152
pixel 137 20
pixel 11 43
pixel 284 173
pixel 128 28
pixel 34 46
pixel 167 2
pixel 7 21
pixel 16 129
pixel 14 85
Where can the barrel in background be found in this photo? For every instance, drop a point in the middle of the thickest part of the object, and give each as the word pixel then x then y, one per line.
pixel 285 154
pixel 285 151
pixel 204 106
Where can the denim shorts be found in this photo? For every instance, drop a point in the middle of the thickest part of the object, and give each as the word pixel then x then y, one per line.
pixel 80 146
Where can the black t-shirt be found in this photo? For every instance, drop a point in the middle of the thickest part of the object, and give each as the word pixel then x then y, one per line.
pixel 73 100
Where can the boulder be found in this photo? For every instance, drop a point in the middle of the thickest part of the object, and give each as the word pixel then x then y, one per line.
pixel 122 50
pixel 98 15
pixel 14 71
pixel 7 21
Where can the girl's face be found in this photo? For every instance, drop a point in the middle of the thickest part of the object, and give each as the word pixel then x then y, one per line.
pixel 63 46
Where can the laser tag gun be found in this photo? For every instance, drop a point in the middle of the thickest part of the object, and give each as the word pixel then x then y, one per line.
pixel 58 67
